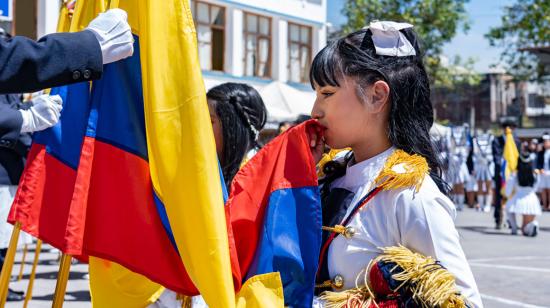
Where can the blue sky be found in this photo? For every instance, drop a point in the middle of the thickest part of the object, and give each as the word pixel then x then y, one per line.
pixel 482 14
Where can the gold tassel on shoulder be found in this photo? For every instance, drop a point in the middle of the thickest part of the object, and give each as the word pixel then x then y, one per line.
pixel 428 282
pixel 402 170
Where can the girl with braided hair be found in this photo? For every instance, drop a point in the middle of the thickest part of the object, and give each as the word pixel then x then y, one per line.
pixel 386 200
pixel 238 115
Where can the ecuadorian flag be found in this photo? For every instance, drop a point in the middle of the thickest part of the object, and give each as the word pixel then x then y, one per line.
pixel 276 214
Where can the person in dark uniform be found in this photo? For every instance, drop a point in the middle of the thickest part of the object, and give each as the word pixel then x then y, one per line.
pixel 64 58
pixel 498 150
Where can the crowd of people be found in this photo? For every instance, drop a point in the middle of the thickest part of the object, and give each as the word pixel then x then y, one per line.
pixel 476 172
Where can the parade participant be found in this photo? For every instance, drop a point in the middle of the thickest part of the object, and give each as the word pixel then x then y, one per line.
pixel 543 166
pixel 483 170
pixel 64 58
pixel 458 173
pixel 497 147
pixel 470 186
pixel 238 115
pixel 522 198
pixel 373 96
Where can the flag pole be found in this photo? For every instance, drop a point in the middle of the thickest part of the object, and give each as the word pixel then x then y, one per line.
pixel 8 264
pixel 62 277
pixel 28 296
pixel 25 248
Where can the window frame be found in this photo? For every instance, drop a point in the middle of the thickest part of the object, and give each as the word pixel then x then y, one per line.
pixel 212 26
pixel 258 36
pixel 303 78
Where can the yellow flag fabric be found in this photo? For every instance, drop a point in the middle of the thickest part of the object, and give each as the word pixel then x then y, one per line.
pixel 111 285
pixel 262 291
pixel 181 148
pixel 510 153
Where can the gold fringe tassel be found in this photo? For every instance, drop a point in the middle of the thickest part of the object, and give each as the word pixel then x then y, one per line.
pixel 402 170
pixel 430 283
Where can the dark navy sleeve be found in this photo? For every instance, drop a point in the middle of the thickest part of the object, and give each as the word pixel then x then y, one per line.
pixel 54 60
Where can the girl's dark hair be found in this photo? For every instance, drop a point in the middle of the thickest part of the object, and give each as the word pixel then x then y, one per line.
pixel 526 178
pixel 242 113
pixel 411 113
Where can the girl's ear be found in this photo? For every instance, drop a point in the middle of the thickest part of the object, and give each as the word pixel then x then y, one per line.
pixel 380 91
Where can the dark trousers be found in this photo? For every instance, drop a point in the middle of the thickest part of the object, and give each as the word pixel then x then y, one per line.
pixel 2 256
pixel 498 196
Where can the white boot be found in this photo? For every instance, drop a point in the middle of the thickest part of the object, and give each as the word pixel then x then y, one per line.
pixel 531 229
pixel 512 222
pixel 460 202
pixel 480 201
pixel 488 203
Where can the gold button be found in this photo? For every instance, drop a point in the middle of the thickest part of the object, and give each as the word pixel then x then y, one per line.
pixel 349 232
pixel 338 282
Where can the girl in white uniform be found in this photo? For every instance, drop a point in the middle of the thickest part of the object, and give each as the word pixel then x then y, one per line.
pixel 373 96
pixel 484 170
pixel 520 189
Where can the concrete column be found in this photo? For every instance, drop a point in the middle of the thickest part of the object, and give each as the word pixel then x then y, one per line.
pixel 235 42
pixel 280 50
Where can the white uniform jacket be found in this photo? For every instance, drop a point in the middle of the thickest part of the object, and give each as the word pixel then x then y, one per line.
pixel 422 221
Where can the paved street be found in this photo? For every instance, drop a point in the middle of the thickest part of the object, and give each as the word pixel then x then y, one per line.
pixel 511 271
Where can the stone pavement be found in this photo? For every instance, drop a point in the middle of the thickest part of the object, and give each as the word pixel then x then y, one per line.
pixel 511 271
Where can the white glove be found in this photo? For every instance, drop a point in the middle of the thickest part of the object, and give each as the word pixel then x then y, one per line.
pixel 44 113
pixel 114 35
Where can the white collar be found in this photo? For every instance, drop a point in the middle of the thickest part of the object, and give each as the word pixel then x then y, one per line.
pixel 363 173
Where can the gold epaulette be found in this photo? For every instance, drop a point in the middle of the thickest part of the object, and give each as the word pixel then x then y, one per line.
pixel 430 284
pixel 402 170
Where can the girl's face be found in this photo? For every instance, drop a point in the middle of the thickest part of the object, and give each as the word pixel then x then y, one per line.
pixel 217 127
pixel 348 120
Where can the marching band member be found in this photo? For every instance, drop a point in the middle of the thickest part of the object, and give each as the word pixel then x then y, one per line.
pixel 385 203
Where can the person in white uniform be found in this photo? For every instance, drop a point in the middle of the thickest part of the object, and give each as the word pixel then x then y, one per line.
pixel 483 170
pixel 373 96
pixel 522 199
pixel 459 174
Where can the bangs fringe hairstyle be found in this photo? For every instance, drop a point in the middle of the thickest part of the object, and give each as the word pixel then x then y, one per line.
pixel 242 113
pixel 411 111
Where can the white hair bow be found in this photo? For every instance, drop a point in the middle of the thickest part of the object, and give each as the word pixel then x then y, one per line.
pixel 389 41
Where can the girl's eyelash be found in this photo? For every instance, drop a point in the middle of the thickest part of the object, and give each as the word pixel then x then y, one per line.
pixel 327 93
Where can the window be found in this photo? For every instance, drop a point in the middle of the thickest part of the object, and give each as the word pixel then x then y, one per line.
pixel 257 45
pixel 299 52
pixel 210 25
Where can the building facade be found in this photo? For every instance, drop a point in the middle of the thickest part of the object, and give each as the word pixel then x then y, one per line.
pixel 260 40
pixel 257 42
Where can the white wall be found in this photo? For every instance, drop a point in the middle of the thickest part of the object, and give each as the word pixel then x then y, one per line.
pixel 47 15
pixel 280 49
pixel 235 51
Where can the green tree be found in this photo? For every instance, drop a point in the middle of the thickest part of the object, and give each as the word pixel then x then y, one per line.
pixel 524 24
pixel 435 21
